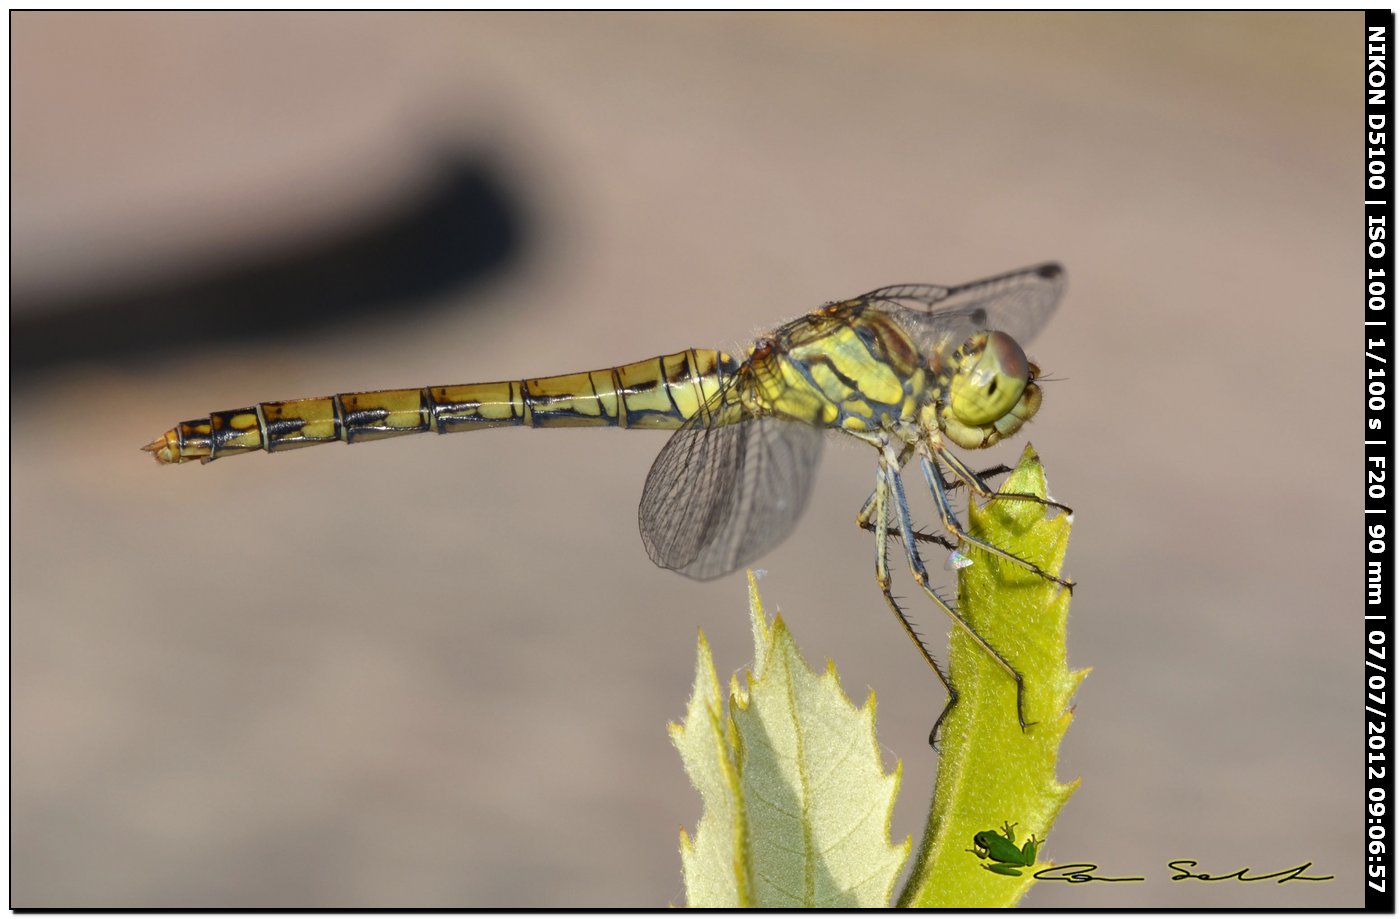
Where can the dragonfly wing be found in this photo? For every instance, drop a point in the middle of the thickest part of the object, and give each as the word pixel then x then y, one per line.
pixel 718 497
pixel 1018 303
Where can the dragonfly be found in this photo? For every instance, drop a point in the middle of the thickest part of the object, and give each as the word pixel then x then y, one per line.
pixel 912 370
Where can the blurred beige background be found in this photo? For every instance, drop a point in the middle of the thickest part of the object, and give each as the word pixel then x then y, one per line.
pixel 438 672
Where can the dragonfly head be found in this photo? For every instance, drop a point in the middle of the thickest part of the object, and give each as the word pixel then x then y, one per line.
pixel 991 391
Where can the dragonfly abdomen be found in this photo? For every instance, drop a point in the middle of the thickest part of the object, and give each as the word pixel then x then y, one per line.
pixel 662 392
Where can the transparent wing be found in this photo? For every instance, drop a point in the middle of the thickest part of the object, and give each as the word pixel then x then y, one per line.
pixel 718 497
pixel 1018 303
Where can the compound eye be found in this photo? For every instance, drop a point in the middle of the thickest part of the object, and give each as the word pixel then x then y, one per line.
pixel 991 382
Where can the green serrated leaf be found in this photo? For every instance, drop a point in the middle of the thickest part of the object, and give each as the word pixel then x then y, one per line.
pixel 797 804
pixel 990 771
pixel 715 864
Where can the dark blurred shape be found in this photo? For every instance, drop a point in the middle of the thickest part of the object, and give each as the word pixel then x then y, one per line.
pixel 460 229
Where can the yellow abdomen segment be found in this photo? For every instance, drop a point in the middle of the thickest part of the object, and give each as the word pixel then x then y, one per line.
pixel 662 392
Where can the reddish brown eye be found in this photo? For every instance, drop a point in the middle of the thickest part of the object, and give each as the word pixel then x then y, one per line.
pixel 990 382
pixel 1010 359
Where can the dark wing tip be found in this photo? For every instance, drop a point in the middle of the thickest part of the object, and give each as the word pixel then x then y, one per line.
pixel 1050 271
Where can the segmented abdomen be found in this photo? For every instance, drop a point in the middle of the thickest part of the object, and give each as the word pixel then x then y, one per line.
pixel 662 392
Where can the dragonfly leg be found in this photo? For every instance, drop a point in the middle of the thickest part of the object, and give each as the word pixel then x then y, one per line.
pixel 982 475
pixel 865 520
pixel 976 481
pixel 878 506
pixel 916 565
pixel 950 521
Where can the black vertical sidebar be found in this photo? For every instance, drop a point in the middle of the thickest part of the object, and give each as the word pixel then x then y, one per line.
pixel 1380 651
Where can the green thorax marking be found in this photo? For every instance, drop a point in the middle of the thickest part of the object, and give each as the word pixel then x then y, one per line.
pixel 845 366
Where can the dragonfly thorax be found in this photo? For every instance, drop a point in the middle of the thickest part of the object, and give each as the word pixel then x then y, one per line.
pixel 985 391
pixel 841 367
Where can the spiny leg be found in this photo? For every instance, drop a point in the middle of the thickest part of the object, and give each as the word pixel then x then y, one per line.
pixel 916 565
pixel 950 520
pixel 975 480
pixel 982 475
pixel 866 521
pixel 863 519
pixel 880 502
